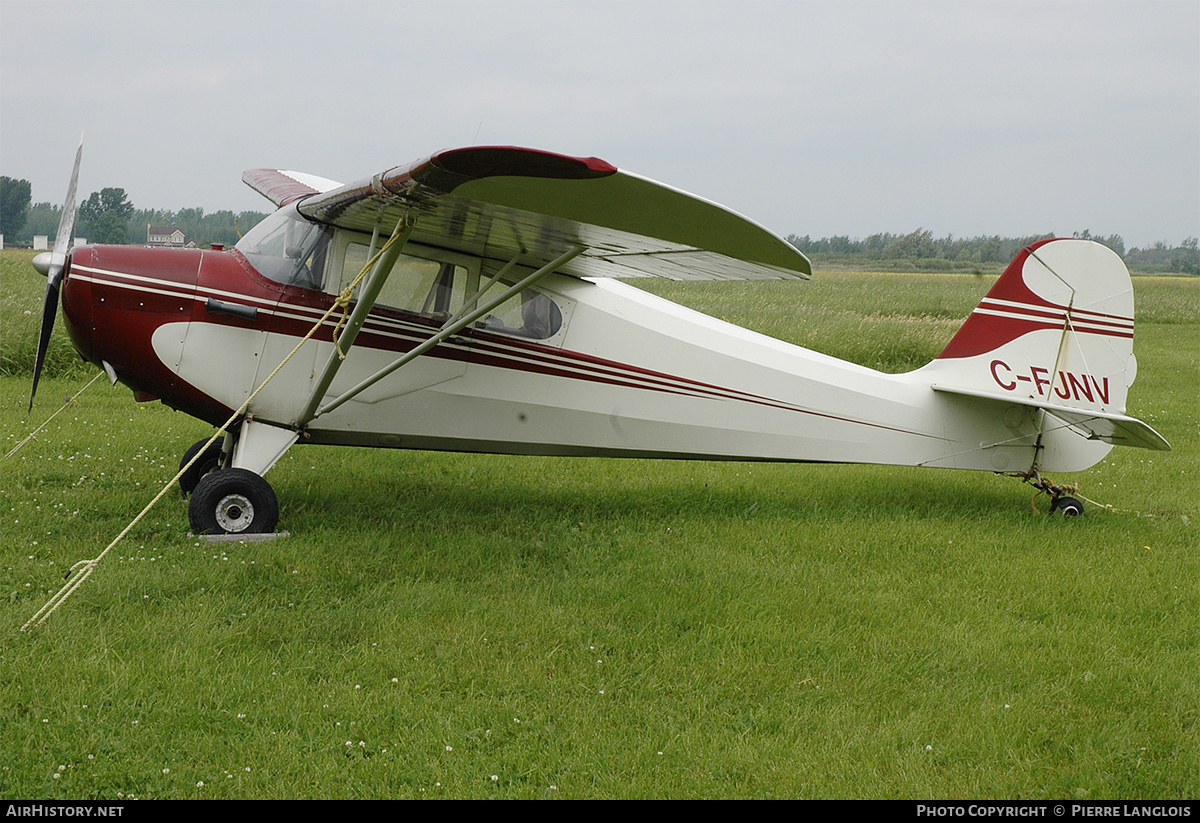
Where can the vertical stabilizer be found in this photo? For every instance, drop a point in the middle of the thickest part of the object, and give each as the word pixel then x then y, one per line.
pixel 1055 333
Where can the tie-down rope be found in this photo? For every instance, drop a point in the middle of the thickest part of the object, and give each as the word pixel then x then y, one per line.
pixel 33 434
pixel 88 566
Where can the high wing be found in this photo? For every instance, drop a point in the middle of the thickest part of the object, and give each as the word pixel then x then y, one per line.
pixel 282 187
pixel 503 202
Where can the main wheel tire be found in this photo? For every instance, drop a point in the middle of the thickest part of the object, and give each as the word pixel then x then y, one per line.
pixel 208 462
pixel 1066 506
pixel 233 501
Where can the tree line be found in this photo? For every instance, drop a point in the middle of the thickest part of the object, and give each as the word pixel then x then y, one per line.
pixel 924 251
pixel 107 216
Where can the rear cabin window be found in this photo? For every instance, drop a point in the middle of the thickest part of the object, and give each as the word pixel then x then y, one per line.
pixel 530 314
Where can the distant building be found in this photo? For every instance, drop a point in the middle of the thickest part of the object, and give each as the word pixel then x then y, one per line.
pixel 164 236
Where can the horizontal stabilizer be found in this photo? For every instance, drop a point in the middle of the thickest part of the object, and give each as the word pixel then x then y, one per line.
pixel 1117 429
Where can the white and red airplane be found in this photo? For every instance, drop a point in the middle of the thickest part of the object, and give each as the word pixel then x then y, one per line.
pixel 491 318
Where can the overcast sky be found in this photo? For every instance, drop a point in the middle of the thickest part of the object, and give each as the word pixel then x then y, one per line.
pixel 817 118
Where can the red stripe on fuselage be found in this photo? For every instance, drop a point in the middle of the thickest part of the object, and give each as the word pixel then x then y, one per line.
pixel 292 312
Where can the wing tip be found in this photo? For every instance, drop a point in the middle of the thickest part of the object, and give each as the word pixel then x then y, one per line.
pixel 281 186
pixel 495 161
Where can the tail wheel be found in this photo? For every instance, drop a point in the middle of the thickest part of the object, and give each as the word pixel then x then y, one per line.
pixel 1066 506
pixel 233 501
pixel 208 462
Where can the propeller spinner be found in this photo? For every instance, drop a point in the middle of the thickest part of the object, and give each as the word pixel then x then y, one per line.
pixel 52 265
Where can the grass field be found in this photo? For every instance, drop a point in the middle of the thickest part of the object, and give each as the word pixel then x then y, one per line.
pixel 466 626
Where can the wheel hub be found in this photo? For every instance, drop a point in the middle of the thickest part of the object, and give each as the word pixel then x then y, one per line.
pixel 235 513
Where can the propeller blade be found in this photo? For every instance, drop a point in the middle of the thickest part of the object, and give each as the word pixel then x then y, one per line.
pixel 66 223
pixel 49 310
pixel 54 273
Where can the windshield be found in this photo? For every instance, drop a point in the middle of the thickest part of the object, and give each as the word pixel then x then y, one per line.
pixel 287 249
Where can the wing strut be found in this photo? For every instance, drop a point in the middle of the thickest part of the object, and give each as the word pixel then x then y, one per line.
pixel 493 280
pixel 453 326
pixel 366 301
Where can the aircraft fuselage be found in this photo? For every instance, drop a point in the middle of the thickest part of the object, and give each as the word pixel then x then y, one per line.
pixel 624 373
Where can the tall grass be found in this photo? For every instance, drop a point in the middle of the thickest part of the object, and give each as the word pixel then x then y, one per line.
pixel 22 291
pixel 443 625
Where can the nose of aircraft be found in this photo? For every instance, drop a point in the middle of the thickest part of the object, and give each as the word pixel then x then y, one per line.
pixel 42 263
pixel 127 308
pixel 77 302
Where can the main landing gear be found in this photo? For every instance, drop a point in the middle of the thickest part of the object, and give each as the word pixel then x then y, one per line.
pixel 233 501
pixel 227 499
pixel 208 462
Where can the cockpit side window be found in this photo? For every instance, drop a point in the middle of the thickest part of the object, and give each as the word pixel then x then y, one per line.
pixel 288 249
pixel 436 284
pixel 430 288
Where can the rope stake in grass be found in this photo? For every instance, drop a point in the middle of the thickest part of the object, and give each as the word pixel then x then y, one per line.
pixel 89 566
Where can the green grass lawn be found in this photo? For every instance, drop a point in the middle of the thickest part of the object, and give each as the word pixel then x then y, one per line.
pixel 443 625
